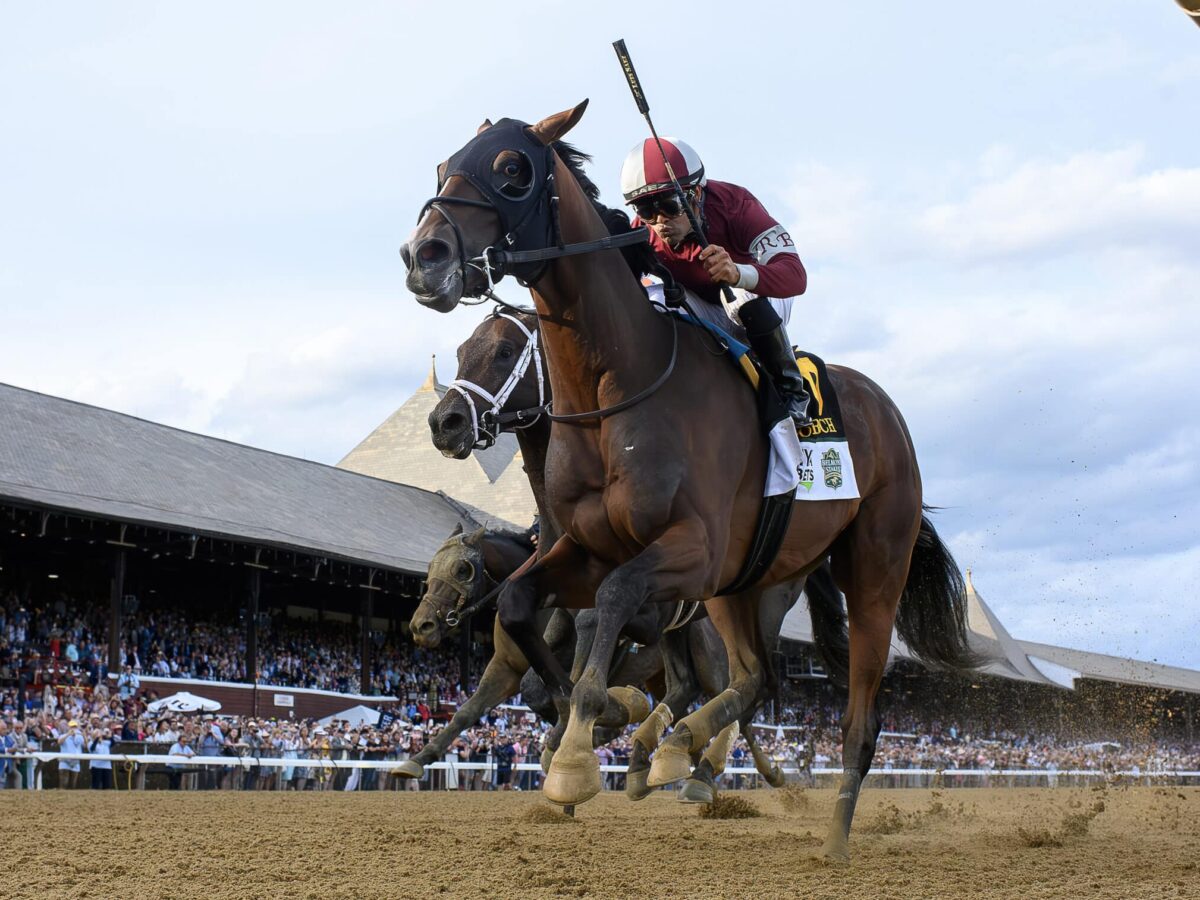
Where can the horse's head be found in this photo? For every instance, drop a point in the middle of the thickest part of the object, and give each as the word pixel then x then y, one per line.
pixel 500 369
pixel 494 193
pixel 456 576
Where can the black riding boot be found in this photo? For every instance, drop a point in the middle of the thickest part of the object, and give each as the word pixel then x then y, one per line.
pixel 770 343
pixel 774 351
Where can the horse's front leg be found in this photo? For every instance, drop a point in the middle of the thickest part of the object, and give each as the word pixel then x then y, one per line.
pixel 499 682
pixel 682 690
pixel 585 632
pixel 672 567
pixel 558 635
pixel 565 565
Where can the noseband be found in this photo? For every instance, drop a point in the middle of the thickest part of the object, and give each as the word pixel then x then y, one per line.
pixel 473 557
pixel 486 426
pixel 528 215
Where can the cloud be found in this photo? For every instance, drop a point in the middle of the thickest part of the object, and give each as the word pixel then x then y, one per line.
pixel 1038 209
pixel 1089 202
pixel 1036 326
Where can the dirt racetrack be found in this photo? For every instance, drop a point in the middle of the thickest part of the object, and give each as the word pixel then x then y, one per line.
pixel 1100 842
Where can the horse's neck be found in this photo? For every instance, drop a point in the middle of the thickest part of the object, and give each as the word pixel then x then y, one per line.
pixel 595 320
pixel 502 555
pixel 533 442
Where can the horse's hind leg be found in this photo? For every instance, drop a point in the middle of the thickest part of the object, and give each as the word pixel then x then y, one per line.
pixel 871 563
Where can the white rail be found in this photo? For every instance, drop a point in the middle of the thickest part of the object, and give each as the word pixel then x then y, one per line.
pixel 250 762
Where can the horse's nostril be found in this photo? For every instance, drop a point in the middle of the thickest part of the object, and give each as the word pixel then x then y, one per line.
pixel 453 422
pixel 406 255
pixel 426 627
pixel 433 252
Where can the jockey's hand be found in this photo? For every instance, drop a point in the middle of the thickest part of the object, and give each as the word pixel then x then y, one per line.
pixel 721 269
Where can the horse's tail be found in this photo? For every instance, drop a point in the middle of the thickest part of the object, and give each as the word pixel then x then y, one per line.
pixel 932 618
pixel 830 637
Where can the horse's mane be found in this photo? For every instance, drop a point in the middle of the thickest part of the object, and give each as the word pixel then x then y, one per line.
pixel 523 539
pixel 640 257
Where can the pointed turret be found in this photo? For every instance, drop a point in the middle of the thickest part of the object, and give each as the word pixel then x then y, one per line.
pixel 399 449
pixel 431 381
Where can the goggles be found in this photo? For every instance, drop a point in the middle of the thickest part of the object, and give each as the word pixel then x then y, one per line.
pixel 660 204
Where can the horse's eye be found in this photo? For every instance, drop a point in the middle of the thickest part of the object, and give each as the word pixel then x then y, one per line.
pixel 505 352
pixel 512 170
pixel 464 570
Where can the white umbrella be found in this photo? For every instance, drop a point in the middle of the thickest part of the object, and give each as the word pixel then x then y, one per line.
pixel 355 716
pixel 183 702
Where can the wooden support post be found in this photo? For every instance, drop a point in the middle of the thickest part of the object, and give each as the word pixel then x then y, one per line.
pixel 253 594
pixel 116 593
pixel 368 591
pixel 464 655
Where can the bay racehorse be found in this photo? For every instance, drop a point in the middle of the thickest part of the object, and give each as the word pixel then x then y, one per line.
pixel 656 465
pixel 500 385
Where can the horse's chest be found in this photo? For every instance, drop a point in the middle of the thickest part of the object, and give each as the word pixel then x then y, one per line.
pixel 614 498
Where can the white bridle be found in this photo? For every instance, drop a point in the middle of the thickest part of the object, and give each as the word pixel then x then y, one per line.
pixel 480 423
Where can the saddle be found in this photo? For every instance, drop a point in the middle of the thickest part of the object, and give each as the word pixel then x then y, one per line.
pixel 795 457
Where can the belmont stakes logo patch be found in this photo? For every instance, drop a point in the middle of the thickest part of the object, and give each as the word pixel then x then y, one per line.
pixel 814 461
pixel 831 463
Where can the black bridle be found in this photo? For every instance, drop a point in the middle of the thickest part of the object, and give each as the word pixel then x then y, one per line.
pixel 528 213
pixel 528 218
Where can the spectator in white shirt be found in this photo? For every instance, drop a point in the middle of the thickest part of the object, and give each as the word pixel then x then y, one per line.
pixel 181 748
pixel 128 683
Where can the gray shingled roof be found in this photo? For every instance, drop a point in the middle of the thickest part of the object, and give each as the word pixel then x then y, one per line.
pixel 93 461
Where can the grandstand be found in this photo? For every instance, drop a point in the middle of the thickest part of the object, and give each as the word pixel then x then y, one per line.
pixel 122 512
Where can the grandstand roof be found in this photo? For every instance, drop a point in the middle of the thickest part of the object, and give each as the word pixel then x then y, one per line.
pixel 399 449
pixel 990 638
pixel 79 458
pixel 1085 664
pixel 1026 660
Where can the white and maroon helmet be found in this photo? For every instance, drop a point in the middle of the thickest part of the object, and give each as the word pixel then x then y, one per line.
pixel 644 173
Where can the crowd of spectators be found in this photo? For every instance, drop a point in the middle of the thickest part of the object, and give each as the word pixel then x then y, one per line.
pixel 70 704
pixel 65 642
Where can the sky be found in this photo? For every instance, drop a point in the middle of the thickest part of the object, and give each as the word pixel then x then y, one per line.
pixel 999 210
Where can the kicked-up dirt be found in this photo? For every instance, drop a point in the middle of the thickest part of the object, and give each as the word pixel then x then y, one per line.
pixel 974 843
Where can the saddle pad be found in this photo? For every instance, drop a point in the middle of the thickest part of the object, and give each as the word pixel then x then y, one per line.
pixel 823 463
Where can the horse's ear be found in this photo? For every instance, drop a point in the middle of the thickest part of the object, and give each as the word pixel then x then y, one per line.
pixel 487 123
pixel 458 529
pixel 552 128
pixel 475 538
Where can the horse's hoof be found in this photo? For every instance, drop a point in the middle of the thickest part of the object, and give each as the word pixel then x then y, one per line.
pixel 836 852
pixel 569 783
pixel 633 700
pixel 670 764
pixel 696 791
pixel 636 787
pixel 775 778
pixel 409 769
pixel 546 759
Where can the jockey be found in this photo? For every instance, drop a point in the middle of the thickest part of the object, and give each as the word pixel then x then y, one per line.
pixel 748 250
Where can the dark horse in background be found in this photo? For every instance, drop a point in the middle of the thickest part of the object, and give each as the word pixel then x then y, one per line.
pixel 658 493
pixel 499 385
